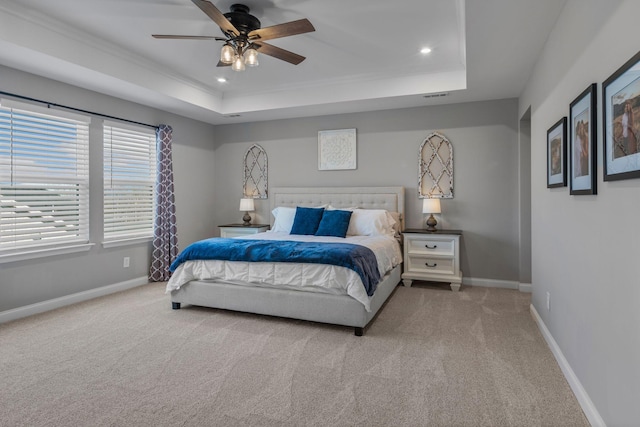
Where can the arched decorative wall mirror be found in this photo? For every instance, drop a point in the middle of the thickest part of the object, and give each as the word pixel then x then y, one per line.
pixel 435 167
pixel 255 173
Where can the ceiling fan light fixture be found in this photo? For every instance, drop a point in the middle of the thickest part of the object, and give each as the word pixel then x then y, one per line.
pixel 240 28
pixel 238 63
pixel 227 54
pixel 251 57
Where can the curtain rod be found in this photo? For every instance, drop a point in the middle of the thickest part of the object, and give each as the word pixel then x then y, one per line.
pixel 50 104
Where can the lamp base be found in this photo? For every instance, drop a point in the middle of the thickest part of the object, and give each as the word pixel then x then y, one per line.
pixel 246 218
pixel 431 223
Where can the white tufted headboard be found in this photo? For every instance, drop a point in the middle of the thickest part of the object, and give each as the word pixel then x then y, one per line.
pixel 389 198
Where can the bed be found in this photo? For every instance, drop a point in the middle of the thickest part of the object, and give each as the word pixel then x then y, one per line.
pixel 303 304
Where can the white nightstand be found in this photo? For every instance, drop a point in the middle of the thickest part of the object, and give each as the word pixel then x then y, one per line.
pixel 432 255
pixel 235 230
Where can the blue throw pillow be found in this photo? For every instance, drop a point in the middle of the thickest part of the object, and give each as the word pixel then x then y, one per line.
pixel 306 220
pixel 334 223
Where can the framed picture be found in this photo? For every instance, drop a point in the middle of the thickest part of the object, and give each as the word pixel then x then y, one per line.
pixel 557 154
pixel 582 143
pixel 621 110
pixel 337 149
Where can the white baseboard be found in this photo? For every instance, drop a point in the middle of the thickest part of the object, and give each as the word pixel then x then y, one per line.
pixel 490 283
pixel 525 287
pixel 41 307
pixel 585 402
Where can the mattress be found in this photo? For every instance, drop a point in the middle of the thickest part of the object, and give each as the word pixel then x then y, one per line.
pixel 306 277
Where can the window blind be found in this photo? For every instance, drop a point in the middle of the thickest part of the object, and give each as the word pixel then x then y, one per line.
pixel 44 177
pixel 129 181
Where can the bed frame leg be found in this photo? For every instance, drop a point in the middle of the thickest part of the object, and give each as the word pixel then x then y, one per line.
pixel 175 305
pixel 359 331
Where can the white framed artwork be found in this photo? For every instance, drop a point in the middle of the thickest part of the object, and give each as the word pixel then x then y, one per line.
pixel 435 167
pixel 337 149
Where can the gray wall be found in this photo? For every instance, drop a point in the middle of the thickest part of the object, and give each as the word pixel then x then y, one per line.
pixel 32 281
pixel 485 146
pixel 208 181
pixel 586 248
pixel 525 198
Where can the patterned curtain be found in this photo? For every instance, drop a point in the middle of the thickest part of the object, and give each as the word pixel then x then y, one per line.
pixel 165 238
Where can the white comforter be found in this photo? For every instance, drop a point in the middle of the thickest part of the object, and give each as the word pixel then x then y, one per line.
pixel 301 276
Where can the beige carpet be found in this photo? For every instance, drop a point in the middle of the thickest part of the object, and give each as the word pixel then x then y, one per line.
pixel 431 358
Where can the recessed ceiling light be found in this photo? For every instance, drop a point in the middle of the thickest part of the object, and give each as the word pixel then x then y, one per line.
pixel 222 80
pixel 425 50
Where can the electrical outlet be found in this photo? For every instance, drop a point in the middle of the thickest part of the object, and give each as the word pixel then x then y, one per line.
pixel 125 262
pixel 548 301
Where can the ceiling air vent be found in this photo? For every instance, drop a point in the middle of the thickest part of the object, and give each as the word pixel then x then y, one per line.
pixel 436 95
pixel 232 116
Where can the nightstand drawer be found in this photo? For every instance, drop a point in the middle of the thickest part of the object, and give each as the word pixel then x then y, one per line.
pixel 416 264
pixel 441 246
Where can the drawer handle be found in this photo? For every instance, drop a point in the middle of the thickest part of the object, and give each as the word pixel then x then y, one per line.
pixel 431 266
pixel 430 247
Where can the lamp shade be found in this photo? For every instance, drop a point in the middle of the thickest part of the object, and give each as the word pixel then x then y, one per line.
pixel 251 57
pixel 246 205
pixel 431 206
pixel 226 54
pixel 238 63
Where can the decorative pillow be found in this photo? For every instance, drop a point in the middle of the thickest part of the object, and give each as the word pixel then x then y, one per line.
pixel 306 220
pixel 370 222
pixel 395 223
pixel 284 218
pixel 334 223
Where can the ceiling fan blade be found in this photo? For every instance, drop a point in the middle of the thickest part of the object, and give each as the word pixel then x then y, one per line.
pixel 222 64
pixel 177 37
pixel 292 28
pixel 217 16
pixel 276 52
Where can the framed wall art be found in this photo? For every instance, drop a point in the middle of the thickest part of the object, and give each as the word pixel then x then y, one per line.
pixel 557 154
pixel 621 114
pixel 435 167
pixel 582 143
pixel 255 175
pixel 337 149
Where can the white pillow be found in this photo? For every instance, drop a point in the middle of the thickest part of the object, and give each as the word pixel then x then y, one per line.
pixel 370 222
pixel 395 223
pixel 284 218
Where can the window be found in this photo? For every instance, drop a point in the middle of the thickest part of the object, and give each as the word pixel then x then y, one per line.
pixel 44 178
pixel 129 181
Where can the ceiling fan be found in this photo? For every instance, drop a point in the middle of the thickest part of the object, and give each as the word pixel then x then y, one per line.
pixel 244 38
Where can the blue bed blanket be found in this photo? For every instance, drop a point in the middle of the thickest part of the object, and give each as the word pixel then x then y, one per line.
pixel 358 258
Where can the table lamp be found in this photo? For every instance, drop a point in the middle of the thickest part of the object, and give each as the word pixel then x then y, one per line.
pixel 247 206
pixel 431 206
